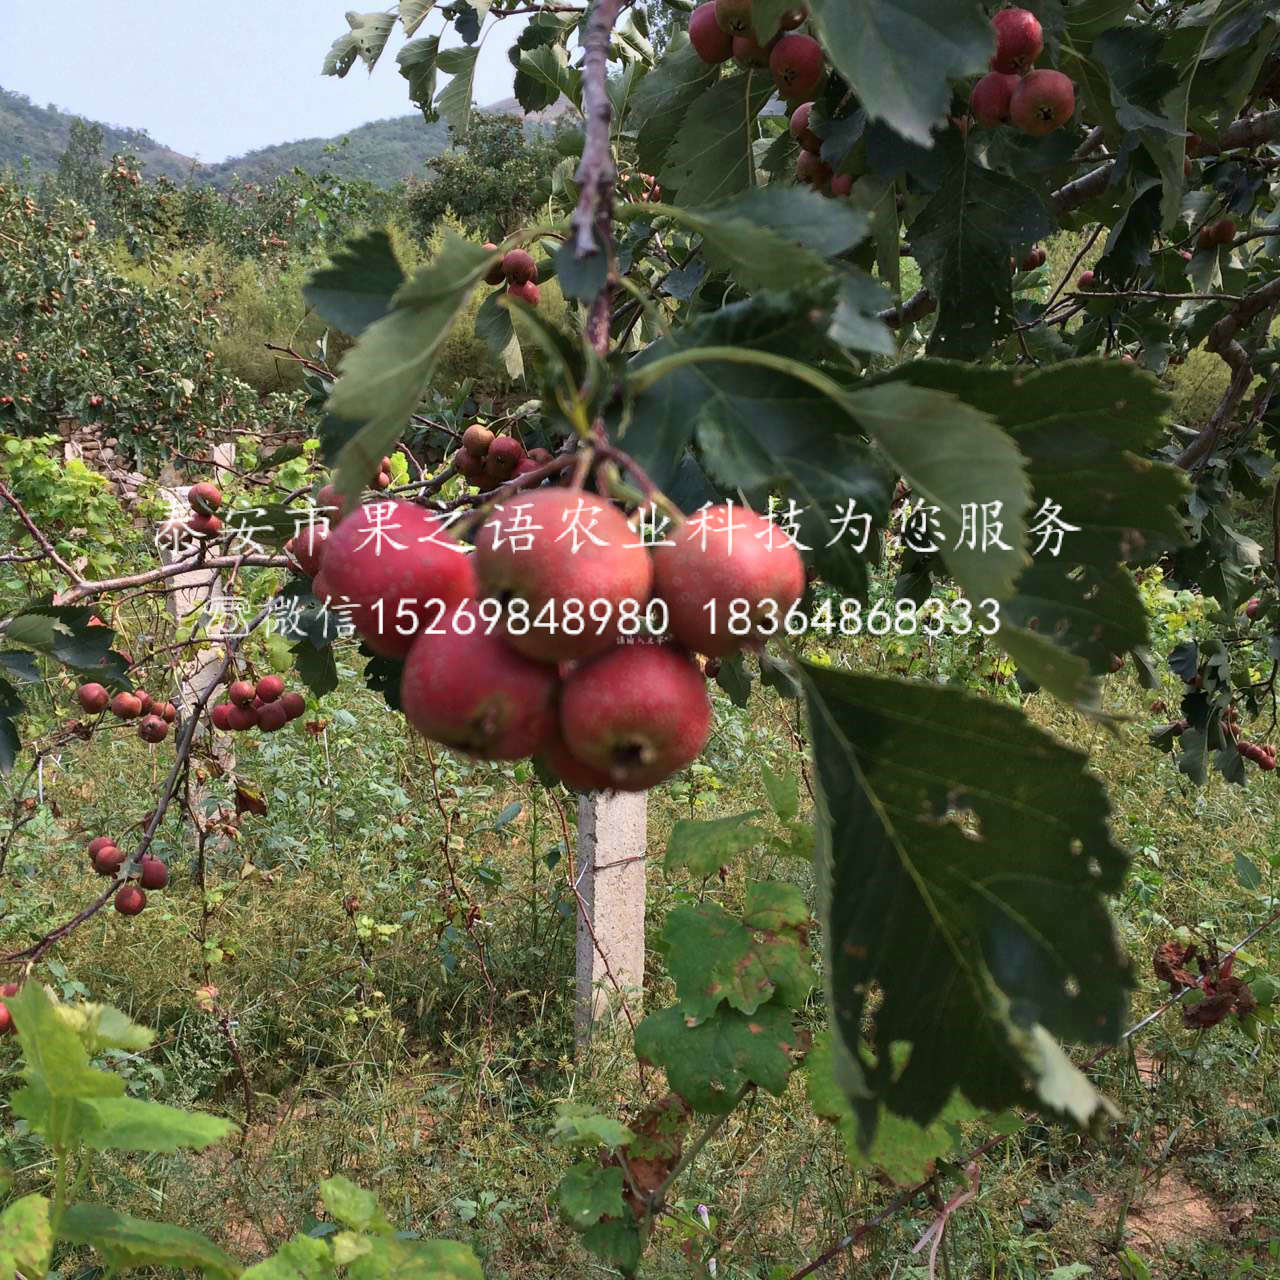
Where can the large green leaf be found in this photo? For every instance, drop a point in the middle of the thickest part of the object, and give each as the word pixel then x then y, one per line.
pixel 578 1125
pixel 353 1206
pixel 902 1149
pixel 899 56
pixel 963 239
pixel 964 856
pixel 703 846
pixel 303 1258
pixel 417 63
pixel 134 1124
pixel 454 102
pixel 393 1258
pixel 62 632
pixel 710 157
pixel 371 32
pixel 709 1062
pixel 663 98
pixel 126 1243
pixel 716 958
pixel 413 13
pixel 384 375
pixel 356 288
pixel 26 1239
pixel 56 1062
pixel 589 1192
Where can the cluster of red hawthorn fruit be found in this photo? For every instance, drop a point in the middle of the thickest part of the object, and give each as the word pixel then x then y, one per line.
pixel 1013 92
pixel 602 705
pixel 156 717
pixel 519 271
pixel 1215 234
pixel 107 858
pixel 724 29
pixel 268 706
pixel 6 1018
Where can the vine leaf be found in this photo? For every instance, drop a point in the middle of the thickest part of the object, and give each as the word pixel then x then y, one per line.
pixel 717 959
pixel 357 286
pixel 708 1063
pixel 710 157
pixel 899 55
pixel 971 931
pixel 902 1149
pixel 703 846
pixel 384 375
pixel 589 1192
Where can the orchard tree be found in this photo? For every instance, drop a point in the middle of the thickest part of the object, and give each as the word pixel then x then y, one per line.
pixel 746 415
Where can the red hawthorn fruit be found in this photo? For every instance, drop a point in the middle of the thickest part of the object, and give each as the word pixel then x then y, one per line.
pixel 391 561
pixel 722 555
pixel 748 52
pixel 575 546
pixel 108 861
pixel 272 716
pixel 476 694
pixel 153 729
pixel 204 526
pixel 798 66
pixel 1019 41
pixel 505 454
pixel 1042 102
pixel 98 843
pixel 638 713
pixel 1253 608
pixel 148 702
pixel 476 440
pixel 130 900
pixel 467 465
pixel 800 130
pixel 241 718
pixel 734 16
pixel 294 704
pixel 205 498
pixel 811 171
pixel 992 97
pixel 241 692
pixel 1085 282
pixel 269 688
pixel 841 185
pixel 792 18
pixel 93 697
pixel 494 275
pixel 6 1020
pixel 126 706
pixel 1224 231
pixel 576 774
pixel 152 872
pixel 518 267
pixel 167 712
pixel 527 292
pixel 306 548
pixel 710 41
pixel 220 715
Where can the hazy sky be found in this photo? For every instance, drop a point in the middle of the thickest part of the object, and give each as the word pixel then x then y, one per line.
pixel 213 79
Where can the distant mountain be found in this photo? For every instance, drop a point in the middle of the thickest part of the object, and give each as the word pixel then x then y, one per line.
pixel 384 152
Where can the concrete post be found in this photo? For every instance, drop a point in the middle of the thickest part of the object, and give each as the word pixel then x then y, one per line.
pixel 611 875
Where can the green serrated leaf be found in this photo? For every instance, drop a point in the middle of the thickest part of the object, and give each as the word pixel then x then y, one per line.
pixel 900 56
pixel 703 846
pixel 356 288
pixel 56 1061
pixel 708 1063
pixel 371 31
pixel 935 898
pixel 395 1258
pixel 353 1206
pixel 342 56
pixel 133 1124
pixel 783 793
pixel 303 1258
pixel 663 98
pixel 588 1192
pixel 493 325
pixel 616 1242
pixel 578 1125
pixel 126 1243
pixel 413 13
pixel 454 102
pixel 417 63
pixel 26 1239
pixel 316 668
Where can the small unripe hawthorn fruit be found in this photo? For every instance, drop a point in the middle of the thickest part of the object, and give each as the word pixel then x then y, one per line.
pixel 1086 281
pixel 205 526
pixel 294 704
pixel 241 692
pixel 306 548
pixel 467 465
pixel 108 861
pixel 540 456
pixel 269 688
pixel 494 274
pixel 1253 608
pixel 748 52
pixel 220 715
pixel 476 694
pixel 130 900
pixel 126 706
pixel 811 171
pixel 797 65
pixel 551 546
pixel 1224 231
pixel 504 455
pixel 734 16
pixel 1019 40
pixel 98 843
pixel 527 292
pixel 476 440
pixel 726 554
pixel 792 18
pixel 992 97
pixel 1036 258
pixel 153 729
pixel 1207 237
pixel 272 716
pixel 576 774
pixel 800 130
pixel 710 41
pixel 841 184
pixel 205 498
pixel 241 718
pixel 93 697
pixel 152 872
pixel 392 561
pixel 638 713
pixel 1042 102
pixel 381 481
pixel 519 266
pixel 1185 254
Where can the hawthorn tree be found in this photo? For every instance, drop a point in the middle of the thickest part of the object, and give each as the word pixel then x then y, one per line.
pixel 742 344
